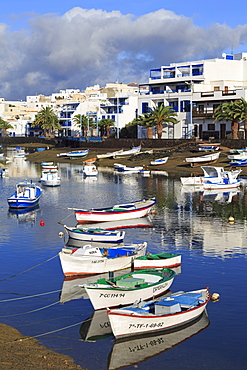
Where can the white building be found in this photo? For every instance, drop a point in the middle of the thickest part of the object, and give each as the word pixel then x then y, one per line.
pixel 201 85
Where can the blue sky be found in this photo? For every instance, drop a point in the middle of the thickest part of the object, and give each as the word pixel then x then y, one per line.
pixel 52 45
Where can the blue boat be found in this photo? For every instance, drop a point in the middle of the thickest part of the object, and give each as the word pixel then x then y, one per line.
pixel 241 162
pixel 26 195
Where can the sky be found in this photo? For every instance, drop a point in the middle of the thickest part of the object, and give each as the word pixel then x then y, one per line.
pixel 50 45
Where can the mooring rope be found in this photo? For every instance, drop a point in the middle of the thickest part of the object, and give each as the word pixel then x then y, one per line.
pixel 29 296
pixel 60 222
pixel 22 272
pixel 37 309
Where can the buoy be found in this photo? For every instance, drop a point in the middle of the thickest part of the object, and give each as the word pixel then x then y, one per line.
pixel 215 297
pixel 231 220
pixel 42 223
pixel 61 234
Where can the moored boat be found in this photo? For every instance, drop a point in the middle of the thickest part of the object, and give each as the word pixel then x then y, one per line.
pixel 208 146
pixel 78 154
pixel 89 169
pixel 159 161
pixel 158 314
pixel 158 260
pixel 126 289
pixel 124 153
pixel 95 234
pixel 27 194
pixel 126 211
pixel 50 178
pixel 109 154
pixel 196 161
pixel 89 260
pixel 126 169
pixel 210 173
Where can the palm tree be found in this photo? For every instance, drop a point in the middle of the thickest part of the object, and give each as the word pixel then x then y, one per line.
pixel 81 120
pixel 4 125
pixel 227 112
pixel 47 120
pixel 146 120
pixel 163 114
pixel 240 109
pixel 104 126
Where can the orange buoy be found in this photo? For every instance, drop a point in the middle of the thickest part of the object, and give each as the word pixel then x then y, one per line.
pixel 42 223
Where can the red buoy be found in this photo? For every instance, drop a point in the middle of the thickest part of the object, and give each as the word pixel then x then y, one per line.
pixel 42 223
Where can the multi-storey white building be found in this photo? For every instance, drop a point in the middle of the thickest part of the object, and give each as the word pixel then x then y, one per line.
pixel 194 89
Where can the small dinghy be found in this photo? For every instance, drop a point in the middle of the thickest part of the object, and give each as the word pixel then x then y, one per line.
pixel 158 260
pixel 128 288
pixel 27 194
pixel 160 314
pixel 95 235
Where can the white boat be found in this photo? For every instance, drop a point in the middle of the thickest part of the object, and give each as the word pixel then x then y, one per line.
pixel 89 260
pixel 208 146
pixel 95 234
pixel 48 166
pixel 132 151
pixel 159 161
pixel 238 157
pixel 78 154
pixel 130 352
pixel 126 289
pixel 202 159
pixel 210 173
pixel 121 224
pixel 158 260
pixel 229 180
pixel 50 178
pixel 89 169
pixel 126 211
pixel 160 314
pixel 126 169
pixel 109 154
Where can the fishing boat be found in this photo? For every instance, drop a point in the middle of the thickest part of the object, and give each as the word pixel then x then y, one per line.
pixel 158 260
pixel 95 234
pixel 89 260
pixel 229 181
pixel 109 154
pixel 159 161
pixel 27 194
pixel 89 169
pixel 78 154
pixel 125 211
pixel 159 314
pixel 126 169
pixel 121 224
pixel 133 151
pixel 210 173
pixel 131 351
pixel 238 157
pixel 240 163
pixel 48 166
pixel 208 147
pixel 196 161
pixel 126 289
pixel 50 178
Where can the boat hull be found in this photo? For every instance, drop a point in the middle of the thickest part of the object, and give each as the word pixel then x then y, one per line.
pixel 21 200
pixel 101 236
pixel 125 324
pixel 139 210
pixel 89 265
pixel 146 263
pixel 103 297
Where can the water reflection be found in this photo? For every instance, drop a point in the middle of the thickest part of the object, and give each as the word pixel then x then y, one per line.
pixel 132 352
pixel 24 215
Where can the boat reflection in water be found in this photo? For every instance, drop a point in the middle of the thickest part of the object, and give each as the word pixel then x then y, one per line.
pixel 222 196
pixel 96 327
pixel 27 215
pixel 131 352
pixel 73 287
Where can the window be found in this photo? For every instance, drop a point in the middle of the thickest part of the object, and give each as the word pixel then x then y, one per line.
pixel 145 108
pixel 216 88
pixel 211 127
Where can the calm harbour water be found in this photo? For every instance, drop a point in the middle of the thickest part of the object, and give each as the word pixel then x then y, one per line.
pixel 187 222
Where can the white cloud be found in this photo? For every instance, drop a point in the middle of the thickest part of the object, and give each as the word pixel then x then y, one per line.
pixel 84 47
